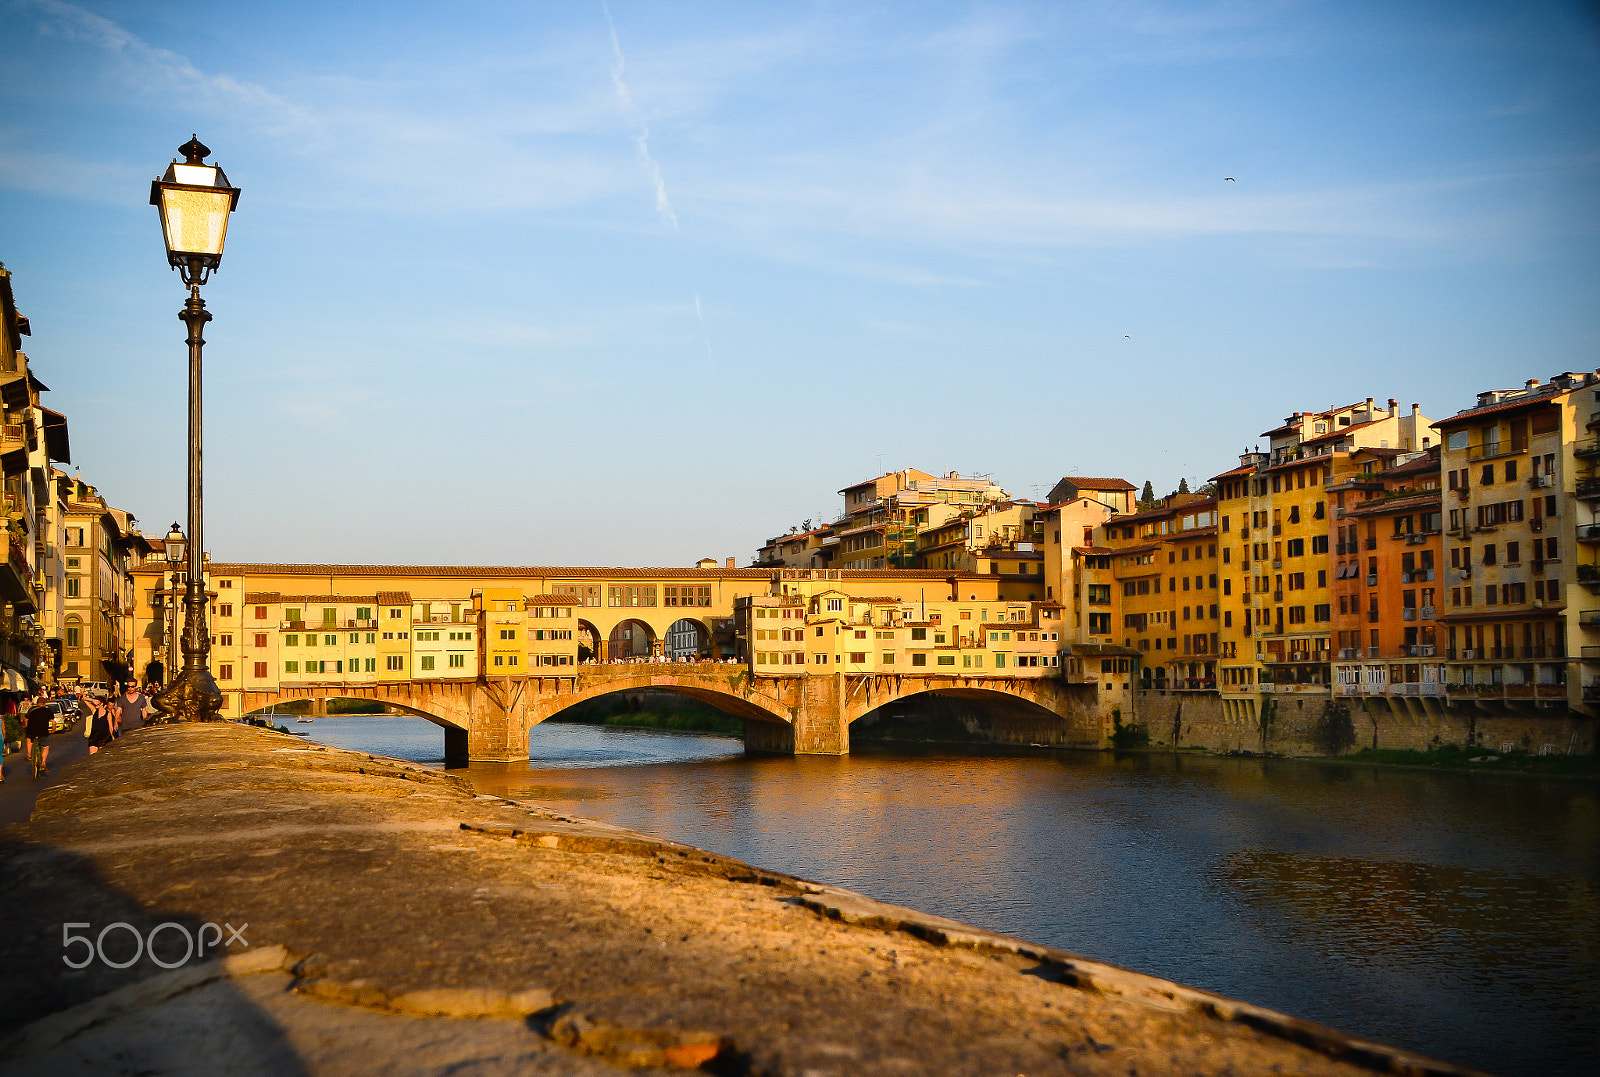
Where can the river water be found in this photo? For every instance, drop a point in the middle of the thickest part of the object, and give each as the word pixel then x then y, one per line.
pixel 1455 914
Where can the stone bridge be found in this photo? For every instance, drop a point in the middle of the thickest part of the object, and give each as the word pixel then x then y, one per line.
pixel 489 718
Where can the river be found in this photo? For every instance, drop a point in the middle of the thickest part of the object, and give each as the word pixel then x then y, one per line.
pixel 1452 913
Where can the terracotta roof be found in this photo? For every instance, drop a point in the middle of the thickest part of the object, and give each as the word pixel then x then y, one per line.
pixel 1095 551
pixel 1090 483
pixel 1384 506
pixel 1011 555
pixel 394 598
pixel 1279 430
pixel 546 572
pixel 550 600
pixel 1342 431
pixel 1505 615
pixel 1545 396
pixel 1194 532
pixel 269 597
pixel 1242 469
pixel 1144 547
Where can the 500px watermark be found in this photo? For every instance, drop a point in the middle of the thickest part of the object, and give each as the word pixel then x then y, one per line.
pixel 194 945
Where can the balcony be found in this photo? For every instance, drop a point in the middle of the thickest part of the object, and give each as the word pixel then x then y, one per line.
pixel 1416 540
pixel 1589 619
pixel 1461 492
pixel 1494 450
pixel 1585 450
pixel 1427 613
pixel 1589 532
pixel 1588 489
pixel 1409 613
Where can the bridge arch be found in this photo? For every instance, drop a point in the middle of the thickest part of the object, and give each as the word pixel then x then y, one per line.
pixel 631 637
pixel 688 637
pixel 588 636
pixel 1011 711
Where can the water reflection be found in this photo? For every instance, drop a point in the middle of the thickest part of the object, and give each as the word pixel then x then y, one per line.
pixel 1455 914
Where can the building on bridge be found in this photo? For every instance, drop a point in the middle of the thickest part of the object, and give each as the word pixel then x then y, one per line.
pixel 359 626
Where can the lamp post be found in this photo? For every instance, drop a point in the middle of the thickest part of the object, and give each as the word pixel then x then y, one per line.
pixel 194 199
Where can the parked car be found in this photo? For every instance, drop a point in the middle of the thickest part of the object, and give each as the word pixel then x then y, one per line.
pixel 95 688
pixel 61 717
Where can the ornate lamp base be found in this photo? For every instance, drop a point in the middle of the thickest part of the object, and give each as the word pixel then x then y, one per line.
pixel 192 697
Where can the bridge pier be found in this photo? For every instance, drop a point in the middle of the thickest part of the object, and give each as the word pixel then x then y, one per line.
pixel 820 724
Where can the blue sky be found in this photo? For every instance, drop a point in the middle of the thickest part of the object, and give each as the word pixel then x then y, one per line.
pixel 562 284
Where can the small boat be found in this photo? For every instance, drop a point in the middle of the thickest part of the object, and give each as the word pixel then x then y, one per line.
pixel 305 721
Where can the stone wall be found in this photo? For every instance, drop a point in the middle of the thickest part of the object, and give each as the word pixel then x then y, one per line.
pixel 1199 720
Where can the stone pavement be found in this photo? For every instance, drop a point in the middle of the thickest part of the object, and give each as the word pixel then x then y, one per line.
pixel 398 923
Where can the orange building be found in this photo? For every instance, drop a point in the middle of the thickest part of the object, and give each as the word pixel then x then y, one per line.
pixel 1387 559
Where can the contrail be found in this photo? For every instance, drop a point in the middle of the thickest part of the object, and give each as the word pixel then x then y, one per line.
pixel 641 136
pixel 703 332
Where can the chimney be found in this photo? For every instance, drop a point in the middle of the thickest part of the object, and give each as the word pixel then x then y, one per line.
pixel 1394 407
pixel 1533 383
pixel 731 562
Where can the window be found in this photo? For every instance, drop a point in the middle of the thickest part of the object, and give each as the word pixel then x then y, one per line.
pixel 395 615
pixel 919 660
pixel 919 633
pixel 457 661
pixel 427 661
pixel 395 662
pixel 261 613
pixel 260 639
pixel 74 636
pixel 225 640
pixel 291 640
pixel 508 633
pixel 72 587
pixel 291 667
pixel 225 671
pixel 835 605
pixel 1296 548
pixel 363 613
pixel 858 656
pixel 261 671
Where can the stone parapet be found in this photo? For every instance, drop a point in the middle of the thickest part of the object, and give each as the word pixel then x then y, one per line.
pixel 397 922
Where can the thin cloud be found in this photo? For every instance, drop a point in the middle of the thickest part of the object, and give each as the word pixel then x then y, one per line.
pixel 157 70
pixel 702 320
pixel 641 135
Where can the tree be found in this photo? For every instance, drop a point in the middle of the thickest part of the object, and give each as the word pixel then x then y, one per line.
pixel 1148 497
pixel 1183 486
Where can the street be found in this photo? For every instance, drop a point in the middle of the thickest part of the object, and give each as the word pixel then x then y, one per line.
pixel 19 789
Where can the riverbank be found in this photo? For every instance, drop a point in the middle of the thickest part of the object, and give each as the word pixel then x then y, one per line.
pixel 398 922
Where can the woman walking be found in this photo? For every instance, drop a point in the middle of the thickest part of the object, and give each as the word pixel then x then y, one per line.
pixel 97 728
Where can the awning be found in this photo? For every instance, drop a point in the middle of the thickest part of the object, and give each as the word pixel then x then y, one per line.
pixel 55 436
pixel 14 682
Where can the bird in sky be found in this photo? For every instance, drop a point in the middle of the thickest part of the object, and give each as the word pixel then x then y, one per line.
pixel 1126 337
pixel 1229 179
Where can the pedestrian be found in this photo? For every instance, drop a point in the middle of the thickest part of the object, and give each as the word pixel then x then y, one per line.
pixel 132 707
pixel 37 728
pixel 97 726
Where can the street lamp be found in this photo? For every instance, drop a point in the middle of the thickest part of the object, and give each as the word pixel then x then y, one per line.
pixel 194 199
pixel 175 543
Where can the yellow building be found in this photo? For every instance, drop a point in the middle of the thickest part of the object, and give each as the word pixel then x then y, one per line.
pixel 1165 589
pixel 1522 477
pixel 813 627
